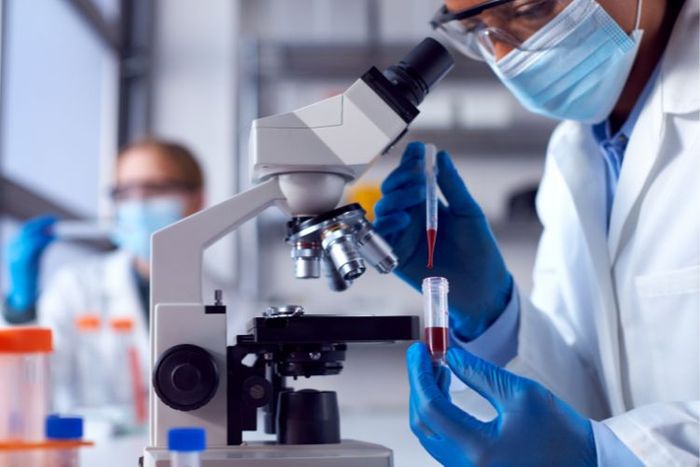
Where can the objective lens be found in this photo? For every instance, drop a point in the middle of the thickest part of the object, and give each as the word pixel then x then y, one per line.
pixel 339 244
pixel 374 249
pixel 307 260
pixel 335 281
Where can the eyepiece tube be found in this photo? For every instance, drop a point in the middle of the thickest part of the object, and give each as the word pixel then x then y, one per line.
pixel 420 70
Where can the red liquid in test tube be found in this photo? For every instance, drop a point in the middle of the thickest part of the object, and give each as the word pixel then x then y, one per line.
pixel 436 340
pixel 435 313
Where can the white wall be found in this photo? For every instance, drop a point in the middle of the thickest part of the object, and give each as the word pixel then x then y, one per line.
pixel 195 97
pixel 334 21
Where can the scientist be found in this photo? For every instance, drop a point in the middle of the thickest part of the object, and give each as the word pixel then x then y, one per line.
pixel 156 183
pixel 611 333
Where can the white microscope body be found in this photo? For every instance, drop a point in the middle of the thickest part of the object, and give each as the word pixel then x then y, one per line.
pixel 302 162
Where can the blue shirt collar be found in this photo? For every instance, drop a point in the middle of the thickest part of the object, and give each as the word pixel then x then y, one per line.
pixel 602 131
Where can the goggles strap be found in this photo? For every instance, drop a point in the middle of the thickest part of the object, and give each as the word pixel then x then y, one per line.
pixel 639 14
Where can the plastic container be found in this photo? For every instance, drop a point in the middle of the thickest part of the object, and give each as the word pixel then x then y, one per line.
pixel 63 429
pixel 186 445
pixel 436 318
pixel 90 370
pixel 129 387
pixel 24 382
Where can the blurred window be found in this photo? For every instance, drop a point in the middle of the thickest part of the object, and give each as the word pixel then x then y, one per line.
pixel 59 101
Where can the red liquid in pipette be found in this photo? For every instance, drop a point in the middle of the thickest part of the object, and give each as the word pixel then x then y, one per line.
pixel 436 340
pixel 432 237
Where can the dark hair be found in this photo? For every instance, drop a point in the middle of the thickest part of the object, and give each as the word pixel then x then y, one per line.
pixel 178 154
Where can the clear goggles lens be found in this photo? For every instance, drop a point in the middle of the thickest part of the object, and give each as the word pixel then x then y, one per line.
pixel 511 24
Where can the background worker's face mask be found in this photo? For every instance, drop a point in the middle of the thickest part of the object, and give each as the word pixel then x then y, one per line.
pixel 137 219
pixel 578 69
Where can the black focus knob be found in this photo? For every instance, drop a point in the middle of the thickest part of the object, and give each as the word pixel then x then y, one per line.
pixel 185 377
pixel 257 391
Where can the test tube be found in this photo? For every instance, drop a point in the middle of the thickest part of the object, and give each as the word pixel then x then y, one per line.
pixel 431 200
pixel 64 429
pixel 185 446
pixel 130 391
pixel 435 312
pixel 90 369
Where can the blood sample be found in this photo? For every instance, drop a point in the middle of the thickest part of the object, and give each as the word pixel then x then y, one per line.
pixel 431 200
pixel 435 313
pixel 432 237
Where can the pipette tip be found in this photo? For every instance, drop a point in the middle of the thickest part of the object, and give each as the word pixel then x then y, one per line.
pixel 432 237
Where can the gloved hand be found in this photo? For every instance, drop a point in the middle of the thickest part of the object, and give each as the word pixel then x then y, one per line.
pixel 533 427
pixel 23 256
pixel 465 253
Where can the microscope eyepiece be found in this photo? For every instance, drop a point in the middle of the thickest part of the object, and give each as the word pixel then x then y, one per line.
pixel 423 67
pixel 404 86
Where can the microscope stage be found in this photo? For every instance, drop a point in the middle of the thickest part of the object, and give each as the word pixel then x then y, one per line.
pixel 312 328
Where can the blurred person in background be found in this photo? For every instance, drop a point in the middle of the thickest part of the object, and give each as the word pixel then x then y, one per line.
pixel 610 332
pixel 156 183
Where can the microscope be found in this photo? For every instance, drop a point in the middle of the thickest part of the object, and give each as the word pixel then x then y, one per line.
pixel 302 162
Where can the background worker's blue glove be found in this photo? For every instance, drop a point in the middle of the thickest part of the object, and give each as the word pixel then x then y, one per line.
pixel 466 252
pixel 533 427
pixel 23 257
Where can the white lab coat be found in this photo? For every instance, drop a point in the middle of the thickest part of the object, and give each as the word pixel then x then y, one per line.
pixel 105 286
pixel 613 323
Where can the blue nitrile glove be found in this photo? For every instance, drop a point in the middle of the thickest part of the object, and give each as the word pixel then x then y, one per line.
pixel 533 427
pixel 23 257
pixel 466 252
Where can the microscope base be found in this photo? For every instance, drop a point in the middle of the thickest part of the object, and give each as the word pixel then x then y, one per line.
pixel 348 453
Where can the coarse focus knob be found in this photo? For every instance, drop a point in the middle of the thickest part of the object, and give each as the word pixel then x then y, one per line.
pixel 185 377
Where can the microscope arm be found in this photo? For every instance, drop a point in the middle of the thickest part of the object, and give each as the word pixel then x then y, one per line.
pixel 176 259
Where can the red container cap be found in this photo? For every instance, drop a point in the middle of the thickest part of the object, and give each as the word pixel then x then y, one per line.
pixel 26 340
pixel 88 322
pixel 122 324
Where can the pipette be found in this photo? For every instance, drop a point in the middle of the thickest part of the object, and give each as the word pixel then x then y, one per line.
pixel 81 230
pixel 431 200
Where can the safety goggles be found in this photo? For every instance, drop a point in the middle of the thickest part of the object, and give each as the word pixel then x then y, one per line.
pixel 149 190
pixel 475 31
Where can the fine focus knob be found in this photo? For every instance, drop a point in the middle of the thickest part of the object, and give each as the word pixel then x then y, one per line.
pixel 185 377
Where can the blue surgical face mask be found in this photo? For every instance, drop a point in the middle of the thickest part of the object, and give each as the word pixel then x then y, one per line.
pixel 576 65
pixel 138 219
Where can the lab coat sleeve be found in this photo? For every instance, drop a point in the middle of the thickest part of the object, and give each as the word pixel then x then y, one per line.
pixel 610 451
pixel 665 433
pixel 58 305
pixel 499 343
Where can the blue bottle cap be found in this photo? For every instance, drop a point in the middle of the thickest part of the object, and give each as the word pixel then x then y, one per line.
pixel 58 427
pixel 187 439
